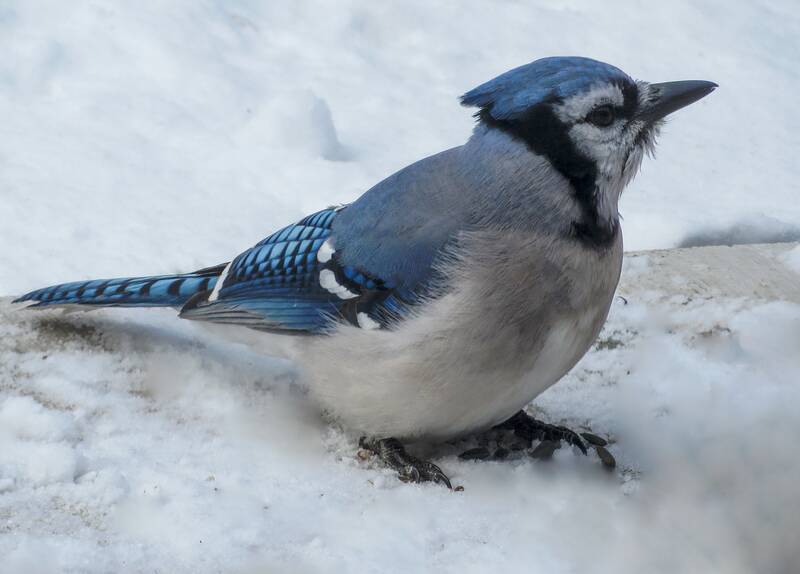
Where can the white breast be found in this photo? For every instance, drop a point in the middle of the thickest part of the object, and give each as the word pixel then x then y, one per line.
pixel 473 357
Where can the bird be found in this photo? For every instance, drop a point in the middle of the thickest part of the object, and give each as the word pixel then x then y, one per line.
pixel 451 294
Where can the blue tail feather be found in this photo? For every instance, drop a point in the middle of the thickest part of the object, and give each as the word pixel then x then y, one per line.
pixel 155 291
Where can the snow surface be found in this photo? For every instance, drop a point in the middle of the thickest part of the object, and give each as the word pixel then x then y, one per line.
pixel 153 138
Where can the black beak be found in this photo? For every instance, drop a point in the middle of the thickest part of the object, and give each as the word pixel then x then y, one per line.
pixel 671 96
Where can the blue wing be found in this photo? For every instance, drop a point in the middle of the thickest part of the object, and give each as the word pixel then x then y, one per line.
pixel 365 263
pixel 293 281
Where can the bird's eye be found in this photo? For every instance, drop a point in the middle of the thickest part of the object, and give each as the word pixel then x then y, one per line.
pixel 602 116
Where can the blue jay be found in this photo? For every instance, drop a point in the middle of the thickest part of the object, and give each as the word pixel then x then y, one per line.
pixel 452 293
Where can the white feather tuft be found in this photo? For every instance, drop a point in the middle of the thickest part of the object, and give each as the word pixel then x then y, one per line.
pixel 224 275
pixel 327 279
pixel 367 322
pixel 325 252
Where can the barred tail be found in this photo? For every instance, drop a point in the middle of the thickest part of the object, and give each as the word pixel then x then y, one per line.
pixel 157 291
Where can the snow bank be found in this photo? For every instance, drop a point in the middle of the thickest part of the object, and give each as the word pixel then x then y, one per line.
pixel 133 441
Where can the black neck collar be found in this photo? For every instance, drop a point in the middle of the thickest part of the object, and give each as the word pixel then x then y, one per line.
pixel 545 135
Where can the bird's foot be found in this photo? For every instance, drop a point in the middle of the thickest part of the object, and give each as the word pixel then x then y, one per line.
pixel 527 429
pixel 409 468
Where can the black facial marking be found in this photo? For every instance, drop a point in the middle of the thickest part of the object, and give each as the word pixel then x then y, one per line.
pixel 545 135
pixel 630 99
pixel 630 102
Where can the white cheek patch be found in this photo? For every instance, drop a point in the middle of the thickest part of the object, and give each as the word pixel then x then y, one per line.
pixel 366 322
pixel 327 279
pixel 600 144
pixel 578 106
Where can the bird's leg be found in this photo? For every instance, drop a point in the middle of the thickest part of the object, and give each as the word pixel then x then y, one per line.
pixel 528 428
pixel 408 467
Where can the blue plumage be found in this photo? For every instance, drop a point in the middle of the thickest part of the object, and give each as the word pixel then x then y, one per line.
pixel 400 227
pixel 283 263
pixel 511 94
pixel 156 291
pixel 277 284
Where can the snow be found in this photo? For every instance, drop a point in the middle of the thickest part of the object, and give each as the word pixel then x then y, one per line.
pixel 132 441
pixel 147 139
pixel 792 259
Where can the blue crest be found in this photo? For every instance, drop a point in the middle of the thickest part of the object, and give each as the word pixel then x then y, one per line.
pixel 511 93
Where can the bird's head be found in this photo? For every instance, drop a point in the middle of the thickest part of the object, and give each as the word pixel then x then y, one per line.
pixel 589 119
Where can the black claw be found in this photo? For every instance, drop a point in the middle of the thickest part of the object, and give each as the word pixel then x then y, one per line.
pixel 530 429
pixel 409 468
pixel 605 457
pixel 593 439
pixel 570 437
pixel 435 474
